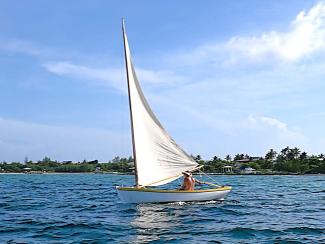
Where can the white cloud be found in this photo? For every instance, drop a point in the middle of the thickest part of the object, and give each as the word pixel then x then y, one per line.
pixel 306 36
pixel 207 127
pixel 164 77
pixel 20 46
pixel 256 121
pixel 254 135
pixel 29 48
pixel 112 77
pixel 272 132
pixel 104 77
pixel 217 104
pixel 19 139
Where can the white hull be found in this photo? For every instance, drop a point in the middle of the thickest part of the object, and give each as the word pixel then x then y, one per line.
pixel 145 195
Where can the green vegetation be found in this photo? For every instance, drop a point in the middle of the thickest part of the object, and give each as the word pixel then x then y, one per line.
pixel 121 165
pixel 287 161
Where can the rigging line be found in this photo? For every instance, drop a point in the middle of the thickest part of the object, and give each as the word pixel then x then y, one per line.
pixel 213 180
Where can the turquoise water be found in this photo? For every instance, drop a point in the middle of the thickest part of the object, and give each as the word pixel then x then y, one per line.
pixel 83 208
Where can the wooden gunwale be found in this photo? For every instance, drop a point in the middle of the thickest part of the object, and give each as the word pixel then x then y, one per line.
pixel 224 188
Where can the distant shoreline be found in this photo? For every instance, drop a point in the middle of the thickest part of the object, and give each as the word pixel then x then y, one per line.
pixel 115 173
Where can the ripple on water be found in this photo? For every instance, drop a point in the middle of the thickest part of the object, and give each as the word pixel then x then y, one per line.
pixel 84 208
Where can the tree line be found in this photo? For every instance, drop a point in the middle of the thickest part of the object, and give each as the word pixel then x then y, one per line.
pixel 288 160
pixel 120 165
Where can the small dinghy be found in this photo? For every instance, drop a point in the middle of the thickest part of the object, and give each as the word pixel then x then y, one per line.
pixel 158 160
pixel 146 195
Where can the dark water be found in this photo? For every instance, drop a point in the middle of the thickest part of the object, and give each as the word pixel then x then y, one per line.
pixel 83 208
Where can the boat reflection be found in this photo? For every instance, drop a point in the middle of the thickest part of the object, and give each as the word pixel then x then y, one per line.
pixel 154 220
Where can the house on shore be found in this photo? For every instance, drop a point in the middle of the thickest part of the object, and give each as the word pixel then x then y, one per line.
pixel 27 170
pixel 241 165
pixel 227 169
pixel 249 170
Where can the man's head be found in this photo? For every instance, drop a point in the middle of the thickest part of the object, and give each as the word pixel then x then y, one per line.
pixel 187 174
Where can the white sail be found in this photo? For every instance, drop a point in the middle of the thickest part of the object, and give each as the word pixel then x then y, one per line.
pixel 158 159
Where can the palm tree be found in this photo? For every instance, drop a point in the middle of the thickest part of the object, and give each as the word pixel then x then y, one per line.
pixel 198 158
pixel 239 156
pixel 303 155
pixel 284 154
pixel 215 159
pixel 295 152
pixel 270 155
pixel 228 158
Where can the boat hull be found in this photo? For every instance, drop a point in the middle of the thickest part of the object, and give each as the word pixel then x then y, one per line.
pixel 147 195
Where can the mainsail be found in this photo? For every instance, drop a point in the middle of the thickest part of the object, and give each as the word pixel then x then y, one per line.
pixel 158 159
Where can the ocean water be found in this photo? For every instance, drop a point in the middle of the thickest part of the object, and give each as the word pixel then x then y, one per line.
pixel 84 208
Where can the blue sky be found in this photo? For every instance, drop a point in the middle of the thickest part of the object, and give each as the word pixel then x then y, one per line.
pixel 224 77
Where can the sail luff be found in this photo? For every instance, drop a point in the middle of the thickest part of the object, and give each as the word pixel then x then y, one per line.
pixel 130 103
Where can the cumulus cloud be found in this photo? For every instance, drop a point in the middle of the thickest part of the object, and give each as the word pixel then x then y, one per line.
pixel 256 121
pixel 306 35
pixel 253 135
pixel 275 133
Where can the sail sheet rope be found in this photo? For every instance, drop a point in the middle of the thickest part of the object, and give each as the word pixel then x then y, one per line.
pixel 208 183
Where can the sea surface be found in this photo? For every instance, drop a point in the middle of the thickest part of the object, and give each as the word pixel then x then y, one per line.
pixel 84 208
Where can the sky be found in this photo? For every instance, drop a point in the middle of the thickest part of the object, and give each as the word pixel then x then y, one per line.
pixel 223 77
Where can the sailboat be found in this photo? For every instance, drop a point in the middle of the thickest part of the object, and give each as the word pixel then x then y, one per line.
pixel 158 159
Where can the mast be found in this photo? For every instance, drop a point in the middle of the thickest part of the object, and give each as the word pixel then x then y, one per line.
pixel 127 64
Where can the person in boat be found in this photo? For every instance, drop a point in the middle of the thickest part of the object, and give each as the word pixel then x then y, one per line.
pixel 189 182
